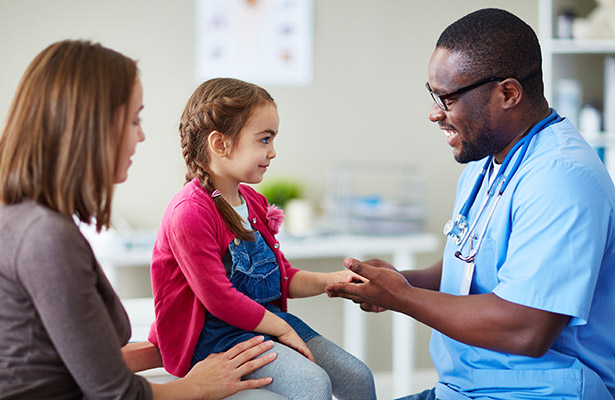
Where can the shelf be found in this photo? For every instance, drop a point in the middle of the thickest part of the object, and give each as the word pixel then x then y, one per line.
pixel 584 60
pixel 589 46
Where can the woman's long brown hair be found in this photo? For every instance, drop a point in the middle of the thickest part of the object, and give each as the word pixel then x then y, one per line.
pixel 64 130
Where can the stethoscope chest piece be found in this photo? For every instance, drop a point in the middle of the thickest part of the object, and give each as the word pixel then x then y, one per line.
pixel 456 229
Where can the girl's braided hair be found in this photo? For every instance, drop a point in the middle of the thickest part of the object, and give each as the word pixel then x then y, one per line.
pixel 223 105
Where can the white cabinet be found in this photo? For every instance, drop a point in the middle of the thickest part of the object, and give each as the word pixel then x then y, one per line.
pixel 580 61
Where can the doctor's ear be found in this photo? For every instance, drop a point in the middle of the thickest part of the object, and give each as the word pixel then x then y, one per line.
pixel 512 92
pixel 218 144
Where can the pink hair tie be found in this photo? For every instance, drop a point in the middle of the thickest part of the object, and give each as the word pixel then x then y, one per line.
pixel 215 193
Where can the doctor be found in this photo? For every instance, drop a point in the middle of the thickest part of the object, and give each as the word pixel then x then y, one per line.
pixel 522 303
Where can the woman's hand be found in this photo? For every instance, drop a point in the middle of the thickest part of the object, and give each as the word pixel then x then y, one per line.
pixel 219 375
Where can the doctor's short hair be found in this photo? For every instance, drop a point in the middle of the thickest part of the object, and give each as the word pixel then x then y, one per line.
pixel 496 43
pixel 64 130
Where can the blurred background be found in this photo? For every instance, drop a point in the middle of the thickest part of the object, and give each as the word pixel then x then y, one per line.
pixel 366 103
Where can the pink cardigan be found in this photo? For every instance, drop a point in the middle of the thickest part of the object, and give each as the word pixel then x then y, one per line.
pixel 188 276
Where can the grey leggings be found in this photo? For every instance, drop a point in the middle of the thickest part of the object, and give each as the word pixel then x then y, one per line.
pixel 336 372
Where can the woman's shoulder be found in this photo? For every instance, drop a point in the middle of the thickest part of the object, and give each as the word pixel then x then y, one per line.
pixel 32 220
pixel 36 235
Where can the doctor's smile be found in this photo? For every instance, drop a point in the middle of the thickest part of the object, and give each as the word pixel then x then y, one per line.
pixel 450 133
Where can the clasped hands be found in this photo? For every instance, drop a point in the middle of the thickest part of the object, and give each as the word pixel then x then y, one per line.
pixel 378 290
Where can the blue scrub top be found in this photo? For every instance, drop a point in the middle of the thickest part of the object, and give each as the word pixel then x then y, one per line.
pixel 550 245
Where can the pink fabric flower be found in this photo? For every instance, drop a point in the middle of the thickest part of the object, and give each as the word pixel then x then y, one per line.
pixel 275 217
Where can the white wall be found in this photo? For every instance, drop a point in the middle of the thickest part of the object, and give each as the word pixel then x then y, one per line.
pixel 367 102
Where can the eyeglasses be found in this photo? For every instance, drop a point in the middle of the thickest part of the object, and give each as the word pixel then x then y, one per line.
pixel 439 98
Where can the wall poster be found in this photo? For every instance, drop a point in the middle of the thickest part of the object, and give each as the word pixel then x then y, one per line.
pixel 267 42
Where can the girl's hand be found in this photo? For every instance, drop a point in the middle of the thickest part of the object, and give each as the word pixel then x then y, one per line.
pixel 351 277
pixel 292 340
pixel 384 288
pixel 273 325
pixel 344 276
pixel 308 283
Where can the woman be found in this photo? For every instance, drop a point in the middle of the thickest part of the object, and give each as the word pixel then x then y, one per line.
pixel 71 131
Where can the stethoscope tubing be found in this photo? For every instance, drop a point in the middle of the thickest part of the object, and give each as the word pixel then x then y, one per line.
pixel 481 237
pixel 482 209
pixel 524 144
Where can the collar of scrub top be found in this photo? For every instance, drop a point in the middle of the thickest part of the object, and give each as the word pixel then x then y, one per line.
pixel 459 228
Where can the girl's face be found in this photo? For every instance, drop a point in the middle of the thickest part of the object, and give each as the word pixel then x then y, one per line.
pixel 133 133
pixel 253 150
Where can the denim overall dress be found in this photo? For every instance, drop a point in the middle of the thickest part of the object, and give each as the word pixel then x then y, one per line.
pixel 253 270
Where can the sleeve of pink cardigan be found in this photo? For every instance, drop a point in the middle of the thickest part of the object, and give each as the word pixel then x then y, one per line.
pixel 194 239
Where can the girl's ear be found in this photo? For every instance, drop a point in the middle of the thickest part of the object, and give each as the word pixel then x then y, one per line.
pixel 217 144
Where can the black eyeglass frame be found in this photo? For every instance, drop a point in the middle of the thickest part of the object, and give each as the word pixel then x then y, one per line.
pixel 439 98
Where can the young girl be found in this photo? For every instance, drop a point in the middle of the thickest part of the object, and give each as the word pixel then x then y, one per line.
pixel 218 274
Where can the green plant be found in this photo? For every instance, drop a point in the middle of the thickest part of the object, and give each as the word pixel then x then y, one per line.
pixel 280 191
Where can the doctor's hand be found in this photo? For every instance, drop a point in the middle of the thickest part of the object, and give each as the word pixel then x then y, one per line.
pixel 375 262
pixel 383 283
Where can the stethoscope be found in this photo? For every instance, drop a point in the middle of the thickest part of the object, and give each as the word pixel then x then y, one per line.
pixel 458 229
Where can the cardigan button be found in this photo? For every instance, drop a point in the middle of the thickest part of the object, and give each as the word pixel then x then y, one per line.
pixel 254 220
pixel 275 246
